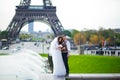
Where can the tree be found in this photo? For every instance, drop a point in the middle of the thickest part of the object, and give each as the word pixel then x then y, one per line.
pixel 79 39
pixel 94 39
pixel 3 34
pixel 73 32
pixel 117 40
pixel 88 33
pixel 24 36
pixel 67 32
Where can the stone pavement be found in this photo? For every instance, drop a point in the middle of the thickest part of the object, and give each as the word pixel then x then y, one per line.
pixel 94 77
pixel 50 77
pixel 82 77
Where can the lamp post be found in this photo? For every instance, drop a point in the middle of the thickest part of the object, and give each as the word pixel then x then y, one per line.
pixel 43 45
pixel 115 42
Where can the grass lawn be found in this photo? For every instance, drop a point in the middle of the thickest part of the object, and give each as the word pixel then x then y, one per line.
pixel 44 55
pixel 93 64
pixel 2 54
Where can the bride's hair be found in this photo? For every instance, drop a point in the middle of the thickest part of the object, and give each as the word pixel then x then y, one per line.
pixel 60 40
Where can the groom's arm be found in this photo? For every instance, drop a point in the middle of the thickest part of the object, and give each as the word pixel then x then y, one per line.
pixel 68 47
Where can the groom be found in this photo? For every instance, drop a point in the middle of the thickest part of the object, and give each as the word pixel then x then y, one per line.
pixel 65 53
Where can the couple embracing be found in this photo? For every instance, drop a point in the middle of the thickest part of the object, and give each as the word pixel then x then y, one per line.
pixel 59 49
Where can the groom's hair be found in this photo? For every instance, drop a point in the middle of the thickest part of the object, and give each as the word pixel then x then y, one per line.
pixel 63 35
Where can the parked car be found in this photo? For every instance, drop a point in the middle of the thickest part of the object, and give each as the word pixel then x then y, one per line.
pixel 5 44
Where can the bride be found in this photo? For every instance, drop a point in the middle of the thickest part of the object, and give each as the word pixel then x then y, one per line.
pixel 55 51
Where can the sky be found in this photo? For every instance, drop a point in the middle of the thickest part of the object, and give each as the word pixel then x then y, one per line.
pixel 73 14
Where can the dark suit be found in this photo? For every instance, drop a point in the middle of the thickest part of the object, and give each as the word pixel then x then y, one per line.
pixel 65 57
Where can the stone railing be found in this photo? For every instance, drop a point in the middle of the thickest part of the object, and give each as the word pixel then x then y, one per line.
pixel 103 52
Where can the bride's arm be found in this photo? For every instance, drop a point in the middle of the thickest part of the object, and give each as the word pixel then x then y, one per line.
pixel 58 46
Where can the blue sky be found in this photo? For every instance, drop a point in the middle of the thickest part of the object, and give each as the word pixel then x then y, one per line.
pixel 73 14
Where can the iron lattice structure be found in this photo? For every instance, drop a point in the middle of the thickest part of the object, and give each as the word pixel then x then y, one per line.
pixel 26 13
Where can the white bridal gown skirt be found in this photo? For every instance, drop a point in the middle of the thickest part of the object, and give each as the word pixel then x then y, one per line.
pixel 58 64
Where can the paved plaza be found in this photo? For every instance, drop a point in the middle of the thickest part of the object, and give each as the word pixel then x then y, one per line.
pixel 39 47
pixel 25 63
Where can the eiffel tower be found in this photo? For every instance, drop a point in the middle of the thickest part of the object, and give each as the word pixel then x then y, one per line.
pixel 26 13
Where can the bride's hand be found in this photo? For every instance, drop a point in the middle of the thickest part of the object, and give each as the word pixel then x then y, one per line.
pixel 60 46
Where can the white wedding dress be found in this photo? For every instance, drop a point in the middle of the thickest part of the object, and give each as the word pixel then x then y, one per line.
pixel 58 64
